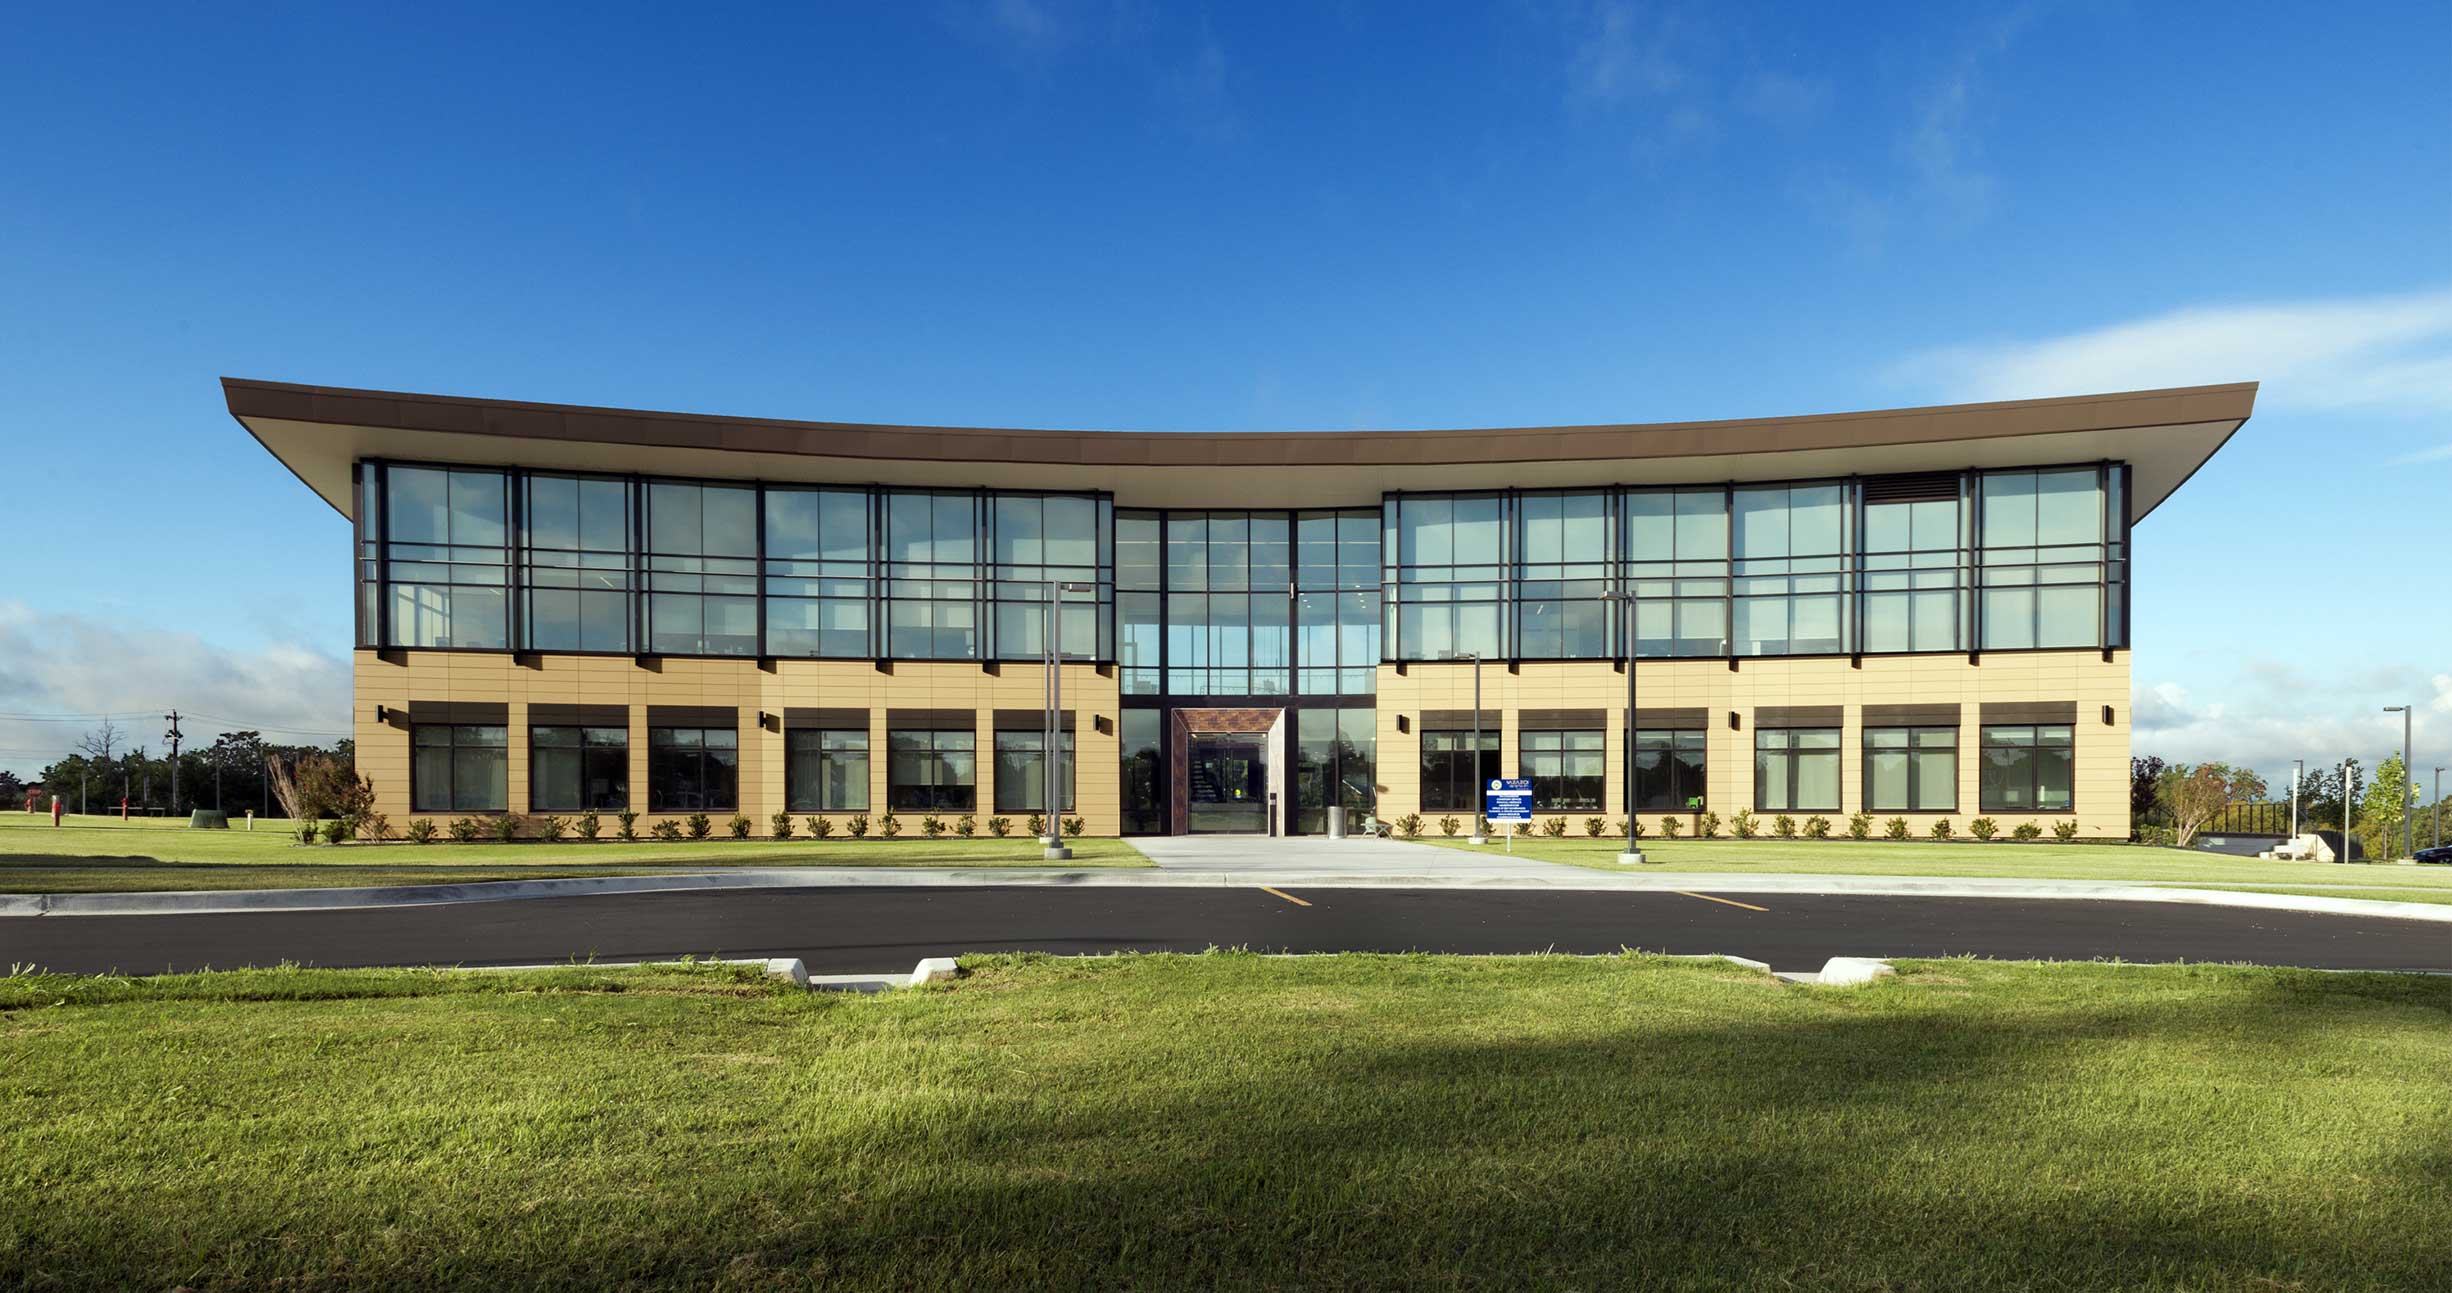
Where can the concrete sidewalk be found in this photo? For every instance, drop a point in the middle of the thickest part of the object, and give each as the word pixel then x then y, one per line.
pixel 1361 857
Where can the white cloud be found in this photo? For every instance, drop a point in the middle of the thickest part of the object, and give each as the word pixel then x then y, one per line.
pixel 2268 722
pixel 2379 353
pixel 69 664
pixel 1623 50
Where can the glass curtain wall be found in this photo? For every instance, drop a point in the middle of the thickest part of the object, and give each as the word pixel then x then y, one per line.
pixel 820 573
pixel 574 564
pixel 932 589
pixel 2050 552
pixel 1335 758
pixel 1789 547
pixel 447 557
pixel 702 569
pixel 1677 561
pixel 1142 772
pixel 1912 567
pixel 1229 604
pixel 1563 567
pixel 1447 558
pixel 1039 538
pixel 1452 777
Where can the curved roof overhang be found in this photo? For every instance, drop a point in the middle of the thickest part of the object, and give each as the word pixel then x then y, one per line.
pixel 320 431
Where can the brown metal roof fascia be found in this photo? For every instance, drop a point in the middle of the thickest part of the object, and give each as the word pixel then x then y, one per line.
pixel 395 410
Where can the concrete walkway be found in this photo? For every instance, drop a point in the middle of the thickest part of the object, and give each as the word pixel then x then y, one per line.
pixel 1261 857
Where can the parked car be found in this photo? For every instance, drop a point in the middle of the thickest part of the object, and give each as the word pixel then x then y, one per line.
pixel 2440 855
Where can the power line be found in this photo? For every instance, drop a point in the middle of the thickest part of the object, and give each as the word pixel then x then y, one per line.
pixel 237 723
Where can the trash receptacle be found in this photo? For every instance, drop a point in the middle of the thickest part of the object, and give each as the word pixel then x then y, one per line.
pixel 1336 822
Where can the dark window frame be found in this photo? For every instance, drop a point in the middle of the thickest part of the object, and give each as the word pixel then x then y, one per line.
pixel 592 759
pixel 420 797
pixel 1987 742
pixel 691 764
pixel 1916 735
pixel 1793 754
pixel 931 795
pixel 1684 780
pixel 1452 786
pixel 825 757
pixel 1538 747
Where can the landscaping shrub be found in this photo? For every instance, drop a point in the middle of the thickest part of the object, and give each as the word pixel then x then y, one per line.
pixel 1555 827
pixel 889 825
pixel 1448 826
pixel 1895 828
pixel 1984 828
pixel 739 826
pixel 821 827
pixel 1037 826
pixel 629 819
pixel 1594 826
pixel 780 825
pixel 1743 823
pixel 932 825
pixel 1409 825
pixel 2065 829
pixel 1707 826
pixel 700 826
pixel 336 830
pixel 1074 826
pixel 506 827
pixel 1941 828
pixel 375 826
pixel 591 825
pixel 667 830
pixel 1000 827
pixel 309 830
pixel 1860 826
pixel 857 826
pixel 2026 831
pixel 553 828
pixel 1670 825
pixel 1817 827
pixel 1621 828
pixel 465 830
pixel 1784 826
pixel 2162 835
pixel 421 830
pixel 966 826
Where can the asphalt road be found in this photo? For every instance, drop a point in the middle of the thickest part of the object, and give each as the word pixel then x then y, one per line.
pixel 855 930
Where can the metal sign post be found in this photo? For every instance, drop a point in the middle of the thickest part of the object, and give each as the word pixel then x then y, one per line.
pixel 1508 801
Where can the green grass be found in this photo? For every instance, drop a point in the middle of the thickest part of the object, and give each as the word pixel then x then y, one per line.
pixel 1926 858
pixel 99 854
pixel 1231 1121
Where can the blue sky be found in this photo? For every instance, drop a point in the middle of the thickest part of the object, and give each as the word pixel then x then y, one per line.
pixel 1240 217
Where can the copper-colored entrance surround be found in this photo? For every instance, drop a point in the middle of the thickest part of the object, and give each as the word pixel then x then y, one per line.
pixel 1268 725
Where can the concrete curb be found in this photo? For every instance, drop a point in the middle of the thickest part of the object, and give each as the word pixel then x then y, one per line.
pixel 207 902
pixel 791 968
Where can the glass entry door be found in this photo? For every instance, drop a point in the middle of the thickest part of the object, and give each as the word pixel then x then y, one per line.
pixel 1229 786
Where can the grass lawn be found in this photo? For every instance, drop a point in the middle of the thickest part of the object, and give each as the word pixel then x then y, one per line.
pixel 1231 1121
pixel 104 854
pixel 2005 860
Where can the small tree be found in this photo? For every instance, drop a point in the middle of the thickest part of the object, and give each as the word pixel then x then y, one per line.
pixel 629 818
pixel 2381 811
pixel 2193 796
pixel 1707 826
pixel 739 826
pixel 781 824
pixel 701 826
pixel 591 825
pixel 1860 825
pixel 1743 824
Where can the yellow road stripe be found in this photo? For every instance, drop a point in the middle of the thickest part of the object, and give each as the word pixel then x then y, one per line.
pixel 1708 898
pixel 1287 896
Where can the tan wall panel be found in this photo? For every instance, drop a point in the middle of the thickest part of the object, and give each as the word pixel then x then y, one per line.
pixel 383 751
pixel 2101 779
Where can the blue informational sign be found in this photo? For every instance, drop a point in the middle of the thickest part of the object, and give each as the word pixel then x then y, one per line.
pixel 1508 801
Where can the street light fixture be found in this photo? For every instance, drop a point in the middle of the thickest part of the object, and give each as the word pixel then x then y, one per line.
pixel 1480 834
pixel 2409 783
pixel 1633 856
pixel 2298 769
pixel 1051 752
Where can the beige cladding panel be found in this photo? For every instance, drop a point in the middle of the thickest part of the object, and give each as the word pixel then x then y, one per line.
pixel 2101 780
pixel 739 685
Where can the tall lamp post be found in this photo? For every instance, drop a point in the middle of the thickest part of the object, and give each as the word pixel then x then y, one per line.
pixel 2298 768
pixel 1051 754
pixel 1633 856
pixel 1480 836
pixel 2439 807
pixel 2409 785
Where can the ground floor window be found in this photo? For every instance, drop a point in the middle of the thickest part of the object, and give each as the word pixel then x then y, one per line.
pixel 1144 796
pixel 1911 769
pixel 459 768
pixel 1669 771
pixel 1796 769
pixel 1335 751
pixel 1021 771
pixel 574 769
pixel 825 771
pixel 1568 770
pixel 2029 769
pixel 1452 777
pixel 693 769
pixel 930 772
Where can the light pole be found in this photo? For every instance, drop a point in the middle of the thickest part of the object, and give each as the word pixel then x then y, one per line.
pixel 1051 754
pixel 2297 768
pixel 1479 835
pixel 2439 807
pixel 172 736
pixel 2409 784
pixel 1633 856
pixel 2345 812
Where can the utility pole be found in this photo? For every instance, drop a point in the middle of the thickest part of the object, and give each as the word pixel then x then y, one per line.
pixel 2409 786
pixel 172 736
pixel 1479 835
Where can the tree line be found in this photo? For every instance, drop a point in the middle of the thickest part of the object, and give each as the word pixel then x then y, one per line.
pixel 2186 799
pixel 238 773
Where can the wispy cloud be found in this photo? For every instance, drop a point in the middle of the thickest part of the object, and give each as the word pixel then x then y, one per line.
pixel 68 664
pixel 2380 354
pixel 2274 716
pixel 1623 50
pixel 1942 145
